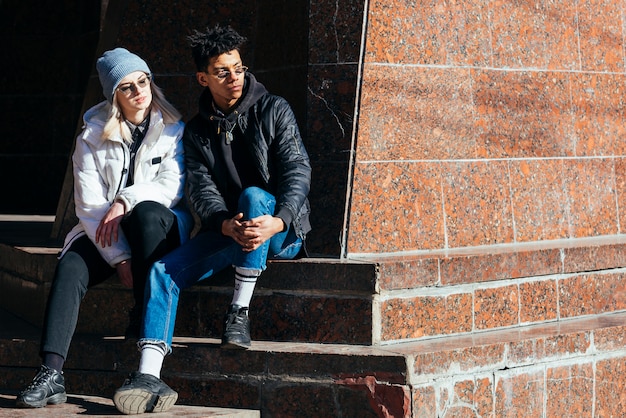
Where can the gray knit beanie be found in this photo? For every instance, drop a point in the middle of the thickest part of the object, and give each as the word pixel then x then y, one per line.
pixel 116 64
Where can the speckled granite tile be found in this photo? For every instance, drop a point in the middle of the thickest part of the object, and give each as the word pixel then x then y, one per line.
pixel 430 117
pixel 561 27
pixel 591 197
pixel 477 396
pixel 538 301
pixel 601 35
pixel 412 318
pixel 539 347
pixel 519 34
pixel 399 204
pixel 478 268
pixel 610 385
pixel 496 307
pixel 519 394
pixel 591 294
pixel 523 113
pixel 593 257
pixel 460 359
pixel 609 339
pixel 539 200
pixel 598 102
pixel 394 38
pixel 407 273
pixel 431 33
pixel 536 35
pixel 477 203
pixel 469 41
pixel 569 390
pixel 424 401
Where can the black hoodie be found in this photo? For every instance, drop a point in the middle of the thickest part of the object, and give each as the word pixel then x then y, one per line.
pixel 230 147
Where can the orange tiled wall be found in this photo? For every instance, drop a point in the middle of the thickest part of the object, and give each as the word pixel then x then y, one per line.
pixel 489 122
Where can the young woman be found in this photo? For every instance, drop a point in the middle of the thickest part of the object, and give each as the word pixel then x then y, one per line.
pixel 128 184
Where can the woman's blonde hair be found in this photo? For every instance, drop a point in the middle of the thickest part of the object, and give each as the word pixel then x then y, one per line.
pixel 115 122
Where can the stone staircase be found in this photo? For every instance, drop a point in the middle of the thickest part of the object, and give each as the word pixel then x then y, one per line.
pixel 523 330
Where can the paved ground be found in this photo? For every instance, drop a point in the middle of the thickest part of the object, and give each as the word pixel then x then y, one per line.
pixel 92 406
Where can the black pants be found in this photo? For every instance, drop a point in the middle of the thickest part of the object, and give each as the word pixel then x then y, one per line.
pixel 151 231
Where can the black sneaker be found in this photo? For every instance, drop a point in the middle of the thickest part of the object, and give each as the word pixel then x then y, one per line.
pixel 236 333
pixel 47 387
pixel 144 393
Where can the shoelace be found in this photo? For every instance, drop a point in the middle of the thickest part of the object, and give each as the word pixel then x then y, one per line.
pixel 236 321
pixel 41 378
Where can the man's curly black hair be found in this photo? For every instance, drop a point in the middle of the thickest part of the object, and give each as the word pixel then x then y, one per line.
pixel 212 43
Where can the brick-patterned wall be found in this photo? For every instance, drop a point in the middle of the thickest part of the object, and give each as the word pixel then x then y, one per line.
pixel 570 372
pixel 489 122
pixel 435 296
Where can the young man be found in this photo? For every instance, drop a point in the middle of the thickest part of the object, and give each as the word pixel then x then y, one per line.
pixel 248 177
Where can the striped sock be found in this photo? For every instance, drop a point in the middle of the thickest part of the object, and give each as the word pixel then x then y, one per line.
pixel 151 361
pixel 245 281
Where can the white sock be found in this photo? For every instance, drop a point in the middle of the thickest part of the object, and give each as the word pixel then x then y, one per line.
pixel 152 357
pixel 245 280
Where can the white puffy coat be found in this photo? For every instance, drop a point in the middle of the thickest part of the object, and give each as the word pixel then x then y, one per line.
pixel 101 169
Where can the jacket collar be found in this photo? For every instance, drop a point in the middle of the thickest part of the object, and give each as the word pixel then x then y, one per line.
pixel 96 118
pixel 253 90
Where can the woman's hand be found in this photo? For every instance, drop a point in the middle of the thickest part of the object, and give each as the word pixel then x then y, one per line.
pixel 124 273
pixel 107 231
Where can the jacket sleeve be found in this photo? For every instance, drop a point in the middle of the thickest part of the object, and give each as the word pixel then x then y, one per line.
pixel 90 197
pixel 166 186
pixel 291 168
pixel 204 197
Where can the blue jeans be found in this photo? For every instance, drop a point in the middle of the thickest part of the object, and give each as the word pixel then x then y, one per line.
pixel 151 230
pixel 202 256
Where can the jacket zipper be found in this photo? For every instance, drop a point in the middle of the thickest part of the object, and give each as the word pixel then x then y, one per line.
pixel 124 171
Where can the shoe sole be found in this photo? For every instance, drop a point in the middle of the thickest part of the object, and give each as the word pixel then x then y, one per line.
pixel 138 401
pixel 234 345
pixel 55 399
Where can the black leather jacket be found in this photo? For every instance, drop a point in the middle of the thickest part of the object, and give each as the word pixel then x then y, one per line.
pixel 268 126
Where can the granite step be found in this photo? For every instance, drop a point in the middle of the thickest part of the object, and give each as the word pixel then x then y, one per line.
pixel 514 372
pixel 367 300
pixel 308 300
pixel 281 379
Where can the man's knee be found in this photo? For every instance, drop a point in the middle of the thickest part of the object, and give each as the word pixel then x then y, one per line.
pixel 254 198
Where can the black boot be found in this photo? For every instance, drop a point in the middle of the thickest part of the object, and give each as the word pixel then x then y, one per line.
pixel 48 387
pixel 236 333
